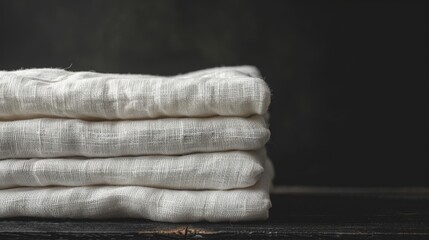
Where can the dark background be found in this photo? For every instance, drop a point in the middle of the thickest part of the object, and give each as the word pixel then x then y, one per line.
pixel 349 78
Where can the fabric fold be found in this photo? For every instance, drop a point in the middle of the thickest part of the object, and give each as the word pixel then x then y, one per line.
pixel 42 138
pixel 220 170
pixel 166 205
pixel 183 148
pixel 227 91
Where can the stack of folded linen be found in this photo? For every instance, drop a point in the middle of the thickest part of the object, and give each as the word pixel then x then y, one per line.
pixel 184 148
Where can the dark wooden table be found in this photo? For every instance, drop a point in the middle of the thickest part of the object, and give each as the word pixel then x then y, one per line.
pixel 296 214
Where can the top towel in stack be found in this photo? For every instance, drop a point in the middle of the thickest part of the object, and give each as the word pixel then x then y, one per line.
pixel 184 148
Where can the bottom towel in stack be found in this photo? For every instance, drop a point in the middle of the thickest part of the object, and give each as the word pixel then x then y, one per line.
pixel 251 203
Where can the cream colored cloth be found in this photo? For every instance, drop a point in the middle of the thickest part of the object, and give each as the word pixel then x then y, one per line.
pixel 220 170
pixel 184 148
pixel 46 137
pixel 228 91
pixel 156 204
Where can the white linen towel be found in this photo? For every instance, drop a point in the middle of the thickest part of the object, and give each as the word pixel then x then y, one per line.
pixel 220 170
pixel 155 204
pixel 31 93
pixel 183 148
pixel 46 137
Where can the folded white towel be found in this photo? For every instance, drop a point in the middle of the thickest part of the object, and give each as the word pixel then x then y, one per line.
pixel 156 204
pixel 46 137
pixel 228 91
pixel 153 163
pixel 220 170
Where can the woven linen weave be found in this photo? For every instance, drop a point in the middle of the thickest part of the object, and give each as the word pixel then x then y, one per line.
pixel 48 137
pixel 220 170
pixel 183 148
pixel 34 93
pixel 141 202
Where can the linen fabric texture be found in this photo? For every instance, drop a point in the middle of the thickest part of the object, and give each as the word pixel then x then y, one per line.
pixel 183 148
pixel 48 137
pixel 88 95
pixel 156 204
pixel 220 170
